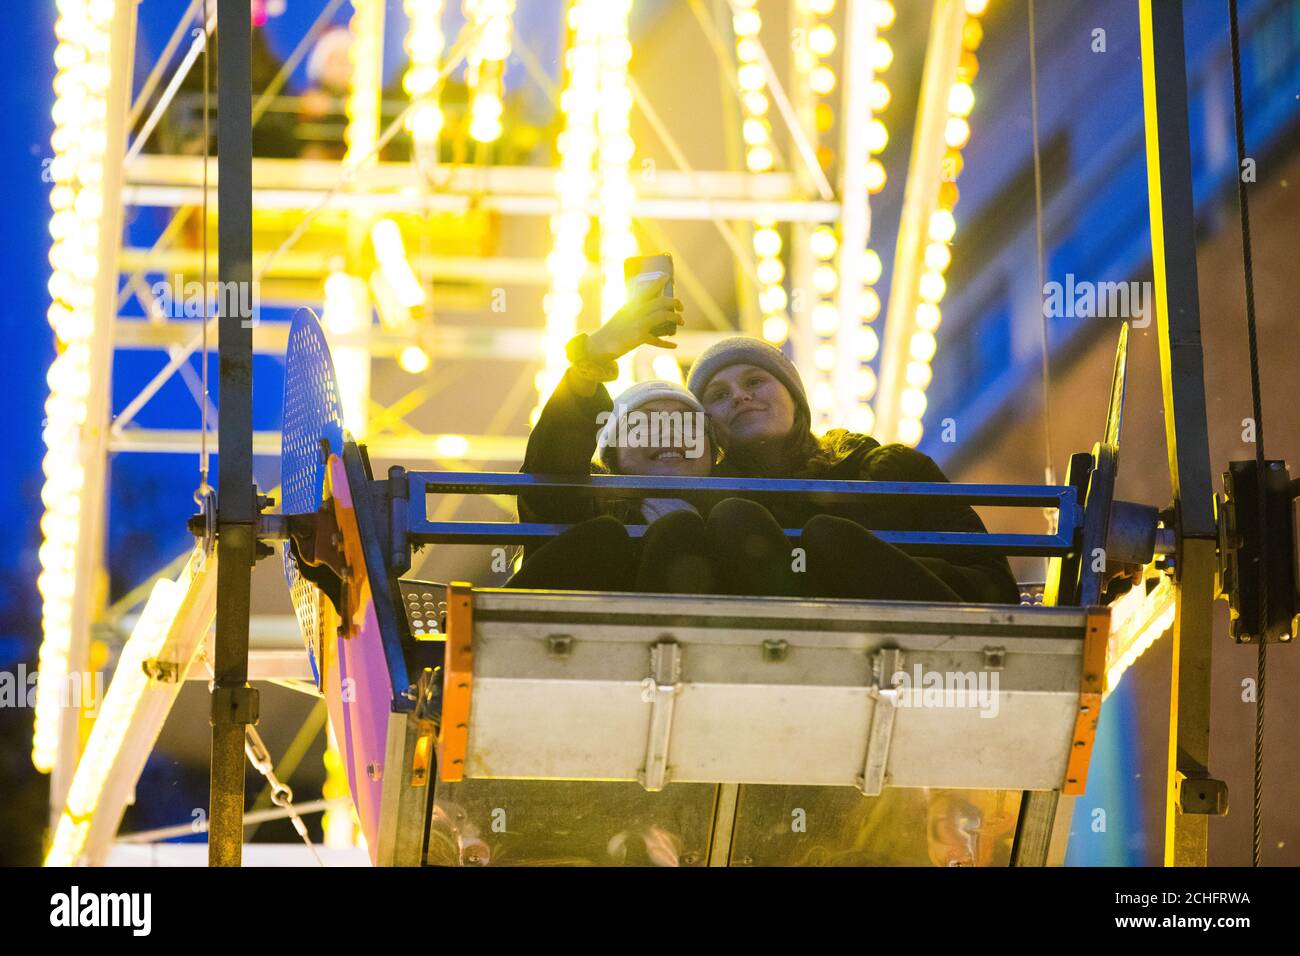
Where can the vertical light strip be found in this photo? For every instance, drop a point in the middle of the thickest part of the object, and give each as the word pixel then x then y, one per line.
pixel 485 65
pixel 424 45
pixel 615 149
pixel 863 136
pixel 86 163
pixel 817 41
pixel 347 313
pixel 937 255
pixel 367 54
pixel 574 187
pixel 760 157
pixel 926 233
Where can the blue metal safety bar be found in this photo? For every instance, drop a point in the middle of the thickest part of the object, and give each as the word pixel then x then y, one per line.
pixel 420 530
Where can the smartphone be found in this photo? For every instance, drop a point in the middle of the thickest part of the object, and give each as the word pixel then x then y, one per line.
pixel 640 272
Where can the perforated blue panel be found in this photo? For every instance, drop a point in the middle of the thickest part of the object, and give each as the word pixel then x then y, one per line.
pixel 312 413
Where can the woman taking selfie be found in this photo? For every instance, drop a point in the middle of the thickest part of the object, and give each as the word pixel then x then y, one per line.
pixel 756 403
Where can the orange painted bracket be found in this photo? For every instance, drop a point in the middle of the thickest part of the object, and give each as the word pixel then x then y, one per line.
pixel 457 683
pixel 356 585
pixel 1092 683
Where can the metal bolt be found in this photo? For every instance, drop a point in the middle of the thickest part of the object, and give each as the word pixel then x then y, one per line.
pixel 374 771
pixel 775 650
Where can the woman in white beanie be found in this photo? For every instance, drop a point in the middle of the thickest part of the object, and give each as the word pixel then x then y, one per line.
pixel 580 420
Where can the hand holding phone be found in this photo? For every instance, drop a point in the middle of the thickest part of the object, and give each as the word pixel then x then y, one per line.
pixel 643 272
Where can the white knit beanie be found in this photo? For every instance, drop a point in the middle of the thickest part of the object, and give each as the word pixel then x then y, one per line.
pixel 633 398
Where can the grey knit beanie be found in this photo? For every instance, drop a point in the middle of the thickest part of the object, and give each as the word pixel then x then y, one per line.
pixel 745 350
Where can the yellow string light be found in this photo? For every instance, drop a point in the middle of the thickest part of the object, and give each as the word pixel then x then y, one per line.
pixel 79 142
pixel 942 228
pixel 424 45
pixel 485 65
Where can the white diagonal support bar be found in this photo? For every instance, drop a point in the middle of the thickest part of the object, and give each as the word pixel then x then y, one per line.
pixel 151 670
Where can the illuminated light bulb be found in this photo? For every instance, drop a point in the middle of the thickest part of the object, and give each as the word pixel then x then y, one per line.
pixel 968 67
pixel 922 346
pixel 868 343
pixel 821 8
pixel 942 225
pixel 825 117
pixel 884 14
pixel 877 136
pixel 750 77
pixel 823 242
pixel 413 359
pixel 912 402
pixel 772 299
pixel 866 382
pixel 878 96
pixel 747 50
pixel 928 316
pixel 746 23
pixel 861 419
pixel 948 195
pixel 770 271
pixel 484 129
pixel 824 357
pixel 918 374
pixel 776 329
pixel 937 256
pixel 971 35
pixel 755 102
pixel 759 159
pixel 871 266
pixel 825 279
pixel 961 99
pixel 952 165
pixel 875 176
pixel 754 132
pixel 425 123
pixel 882 54
pixel 977 8
pixel 822 80
pixel 825 318
pixel 932 286
pixel 821 40
pixel 869 304
pixel 451 446
pixel 956 132
pixel 767 242
pixel 909 432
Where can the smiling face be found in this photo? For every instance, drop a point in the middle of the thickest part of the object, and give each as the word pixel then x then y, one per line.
pixel 749 408
pixel 682 448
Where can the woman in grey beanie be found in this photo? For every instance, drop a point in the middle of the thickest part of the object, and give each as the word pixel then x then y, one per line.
pixel 756 402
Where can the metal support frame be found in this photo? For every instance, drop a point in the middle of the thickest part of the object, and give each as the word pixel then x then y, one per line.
pixel 1173 253
pixel 234 702
pixel 420 528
